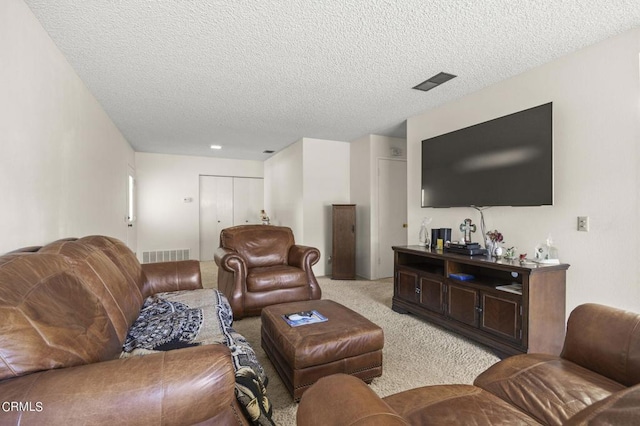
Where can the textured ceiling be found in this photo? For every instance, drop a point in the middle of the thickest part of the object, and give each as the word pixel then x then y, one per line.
pixel 179 75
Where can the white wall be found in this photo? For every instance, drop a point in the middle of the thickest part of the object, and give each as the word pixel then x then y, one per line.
pixel 283 180
pixel 596 96
pixel 326 182
pixel 301 183
pixel 63 163
pixel 361 188
pixel 365 153
pixel 164 220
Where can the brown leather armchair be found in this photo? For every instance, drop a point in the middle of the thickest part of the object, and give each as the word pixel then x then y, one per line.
pixel 260 265
pixel 594 381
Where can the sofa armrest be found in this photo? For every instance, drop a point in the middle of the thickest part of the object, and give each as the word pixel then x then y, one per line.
pixel 171 276
pixel 303 257
pixel 232 276
pixel 230 260
pixel 343 400
pixel 183 386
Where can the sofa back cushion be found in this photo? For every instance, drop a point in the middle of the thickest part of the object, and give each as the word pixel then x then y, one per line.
pixel 122 257
pixel 50 318
pixel 260 245
pixel 119 295
pixel 605 340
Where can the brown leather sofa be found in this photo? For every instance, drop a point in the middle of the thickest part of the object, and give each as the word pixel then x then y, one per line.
pixel 65 309
pixel 595 380
pixel 261 265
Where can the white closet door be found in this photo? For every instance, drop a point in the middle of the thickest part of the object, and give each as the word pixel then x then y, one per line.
pixel 216 212
pixel 248 200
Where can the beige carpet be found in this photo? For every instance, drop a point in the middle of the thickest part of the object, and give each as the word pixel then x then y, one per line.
pixel 416 353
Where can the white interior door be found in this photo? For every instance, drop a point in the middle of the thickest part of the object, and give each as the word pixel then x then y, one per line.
pixel 248 200
pixel 392 212
pixel 216 212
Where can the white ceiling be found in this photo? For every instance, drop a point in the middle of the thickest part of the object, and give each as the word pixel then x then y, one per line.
pixel 179 75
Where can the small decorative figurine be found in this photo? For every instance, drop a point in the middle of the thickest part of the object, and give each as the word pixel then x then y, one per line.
pixel 264 217
pixel 510 253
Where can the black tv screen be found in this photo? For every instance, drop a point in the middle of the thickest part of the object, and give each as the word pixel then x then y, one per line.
pixel 507 161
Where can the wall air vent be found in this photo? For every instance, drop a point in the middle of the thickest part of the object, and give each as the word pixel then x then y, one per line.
pixel 434 81
pixel 165 255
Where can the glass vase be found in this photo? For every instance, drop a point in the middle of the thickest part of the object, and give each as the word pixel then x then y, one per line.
pixel 423 236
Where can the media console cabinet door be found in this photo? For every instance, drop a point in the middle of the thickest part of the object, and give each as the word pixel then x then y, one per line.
pixel 432 294
pixel 344 242
pixel 407 286
pixel 462 304
pixel 501 316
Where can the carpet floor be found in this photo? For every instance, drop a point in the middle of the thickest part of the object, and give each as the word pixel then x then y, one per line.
pixel 416 353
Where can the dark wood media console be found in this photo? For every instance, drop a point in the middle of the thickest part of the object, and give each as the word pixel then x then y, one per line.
pixel 509 323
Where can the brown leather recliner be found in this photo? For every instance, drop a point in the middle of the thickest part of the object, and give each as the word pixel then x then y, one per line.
pixel 260 265
pixel 594 381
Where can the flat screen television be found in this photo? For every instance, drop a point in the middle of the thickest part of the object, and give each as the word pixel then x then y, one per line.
pixel 507 161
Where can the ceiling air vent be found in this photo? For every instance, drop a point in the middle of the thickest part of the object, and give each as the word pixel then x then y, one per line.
pixel 268 151
pixel 434 81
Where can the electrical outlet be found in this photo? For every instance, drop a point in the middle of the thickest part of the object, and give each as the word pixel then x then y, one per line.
pixel 583 223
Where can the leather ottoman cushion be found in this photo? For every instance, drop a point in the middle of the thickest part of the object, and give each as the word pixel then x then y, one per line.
pixel 346 343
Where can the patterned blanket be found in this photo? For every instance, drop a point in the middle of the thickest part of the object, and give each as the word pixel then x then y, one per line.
pixel 198 317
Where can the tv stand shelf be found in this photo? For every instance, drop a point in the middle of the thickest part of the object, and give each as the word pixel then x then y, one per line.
pixel 508 322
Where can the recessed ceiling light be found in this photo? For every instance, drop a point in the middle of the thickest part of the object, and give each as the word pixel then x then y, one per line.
pixel 216 147
pixel 434 81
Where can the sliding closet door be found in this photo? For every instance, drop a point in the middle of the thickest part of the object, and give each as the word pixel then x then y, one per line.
pixel 227 201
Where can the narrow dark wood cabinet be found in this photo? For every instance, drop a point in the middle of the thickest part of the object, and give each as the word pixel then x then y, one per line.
pixel 344 242
pixel 531 319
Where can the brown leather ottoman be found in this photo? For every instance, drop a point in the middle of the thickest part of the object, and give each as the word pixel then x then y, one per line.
pixel 346 343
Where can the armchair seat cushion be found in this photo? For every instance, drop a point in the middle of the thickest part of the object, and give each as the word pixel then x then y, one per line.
pixel 277 277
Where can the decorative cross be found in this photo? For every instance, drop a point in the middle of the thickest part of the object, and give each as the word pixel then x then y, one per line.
pixel 467 227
